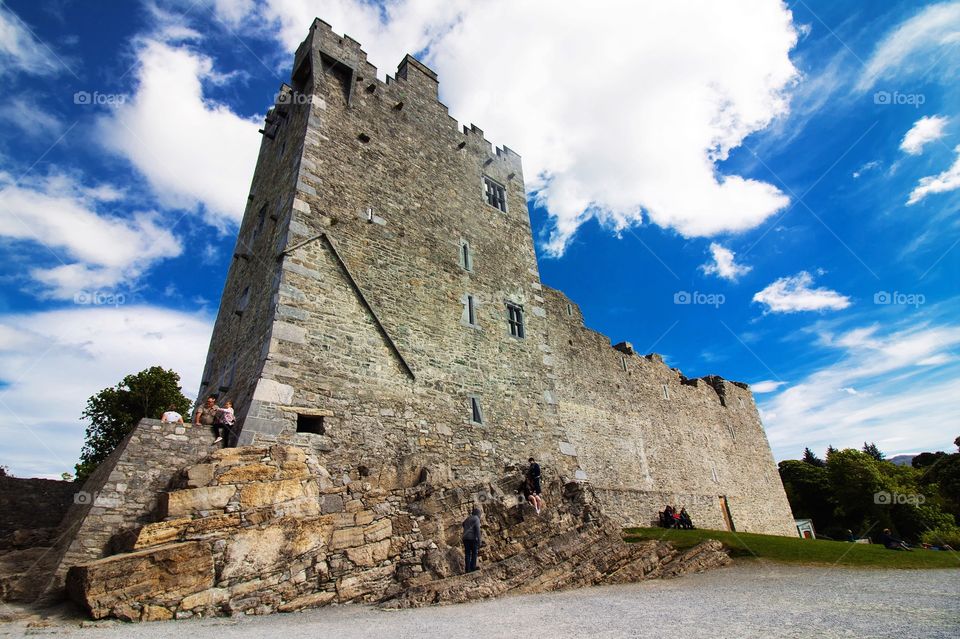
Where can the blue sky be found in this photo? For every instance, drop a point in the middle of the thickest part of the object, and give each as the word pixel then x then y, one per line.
pixel 764 191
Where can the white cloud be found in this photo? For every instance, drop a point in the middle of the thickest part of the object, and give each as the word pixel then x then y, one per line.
pixel 925 130
pixel 949 180
pixel 95 248
pixel 766 386
pixel 620 115
pixel 793 294
pixel 31 119
pixel 724 265
pixel 867 166
pixel 191 150
pixel 883 388
pixel 53 361
pixel 914 46
pixel 20 51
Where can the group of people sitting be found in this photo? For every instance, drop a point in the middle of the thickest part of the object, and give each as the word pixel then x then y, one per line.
pixel 219 419
pixel 670 517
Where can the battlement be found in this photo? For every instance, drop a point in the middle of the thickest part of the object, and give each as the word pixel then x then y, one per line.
pixel 415 85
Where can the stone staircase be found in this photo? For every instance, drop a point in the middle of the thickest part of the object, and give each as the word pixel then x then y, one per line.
pixel 263 529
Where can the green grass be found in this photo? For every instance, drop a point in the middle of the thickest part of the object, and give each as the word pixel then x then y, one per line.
pixel 801 551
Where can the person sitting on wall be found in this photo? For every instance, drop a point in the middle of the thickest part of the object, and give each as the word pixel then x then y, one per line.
pixel 224 424
pixel 206 415
pixel 666 517
pixel 529 496
pixel 533 477
pixel 171 416
pixel 676 518
pixel 685 522
pixel 892 542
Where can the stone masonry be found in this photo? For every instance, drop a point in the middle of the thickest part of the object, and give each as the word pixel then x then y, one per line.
pixel 366 316
pixel 262 529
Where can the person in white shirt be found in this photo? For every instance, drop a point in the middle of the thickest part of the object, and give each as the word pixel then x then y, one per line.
pixel 172 416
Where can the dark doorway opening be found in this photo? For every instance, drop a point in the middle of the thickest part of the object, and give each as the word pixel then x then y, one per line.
pixel 312 424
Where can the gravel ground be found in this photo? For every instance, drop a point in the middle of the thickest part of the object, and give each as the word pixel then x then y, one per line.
pixel 751 599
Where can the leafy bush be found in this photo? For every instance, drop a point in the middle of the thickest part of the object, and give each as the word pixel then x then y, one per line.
pixel 949 535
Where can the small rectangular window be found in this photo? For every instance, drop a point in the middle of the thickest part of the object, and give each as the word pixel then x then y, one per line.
pixel 312 424
pixel 515 319
pixel 471 311
pixel 666 392
pixel 243 301
pixel 570 309
pixel 495 194
pixel 476 414
pixel 740 401
pixel 261 219
pixel 466 258
pixel 623 363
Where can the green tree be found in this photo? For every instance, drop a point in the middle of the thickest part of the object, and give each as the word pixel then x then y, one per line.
pixel 808 491
pixel 855 480
pixel 925 460
pixel 113 412
pixel 810 458
pixel 872 450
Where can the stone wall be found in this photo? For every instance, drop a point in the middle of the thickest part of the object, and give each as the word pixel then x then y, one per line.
pixel 647 436
pixel 355 338
pixel 33 503
pixel 262 529
pixel 121 495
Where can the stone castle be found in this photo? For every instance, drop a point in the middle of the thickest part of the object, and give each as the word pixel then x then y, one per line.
pixel 394 359
pixel 384 300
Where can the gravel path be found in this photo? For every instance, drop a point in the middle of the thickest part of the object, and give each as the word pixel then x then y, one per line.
pixel 751 599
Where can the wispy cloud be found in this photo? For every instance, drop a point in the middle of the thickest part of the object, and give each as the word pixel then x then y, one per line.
pixel 724 264
pixel 887 381
pixel 913 45
pixel 949 180
pixel 796 293
pixel 20 51
pixel 73 226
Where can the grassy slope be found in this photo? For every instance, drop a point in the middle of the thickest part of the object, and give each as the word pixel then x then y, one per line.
pixel 803 551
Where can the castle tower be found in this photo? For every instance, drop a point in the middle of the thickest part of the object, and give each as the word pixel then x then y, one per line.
pixel 384 297
pixel 384 303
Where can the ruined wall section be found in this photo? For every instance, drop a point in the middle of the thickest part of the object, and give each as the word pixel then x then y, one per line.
pixel 29 504
pixel 371 329
pixel 121 495
pixel 647 436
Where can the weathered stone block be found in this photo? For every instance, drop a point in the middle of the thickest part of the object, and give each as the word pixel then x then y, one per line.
pixel 247 473
pixel 262 494
pixel 192 500
pixel 312 600
pixel 378 530
pixel 165 574
pixel 364 583
pixel 369 554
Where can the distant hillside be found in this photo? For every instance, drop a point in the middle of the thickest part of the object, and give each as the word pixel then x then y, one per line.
pixel 902 460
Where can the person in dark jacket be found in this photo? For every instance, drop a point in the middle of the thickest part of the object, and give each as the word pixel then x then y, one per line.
pixel 533 480
pixel 471 540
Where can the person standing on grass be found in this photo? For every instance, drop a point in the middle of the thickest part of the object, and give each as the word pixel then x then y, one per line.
pixel 471 540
